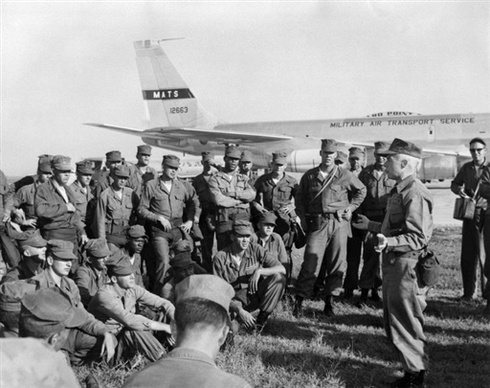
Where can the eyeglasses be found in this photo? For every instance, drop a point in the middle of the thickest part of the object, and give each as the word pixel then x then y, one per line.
pixel 476 149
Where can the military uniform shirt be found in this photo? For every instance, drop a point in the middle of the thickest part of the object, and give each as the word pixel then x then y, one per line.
pixel 334 198
pixel 116 307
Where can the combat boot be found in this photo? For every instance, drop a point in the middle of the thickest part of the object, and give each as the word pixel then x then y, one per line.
pixel 328 310
pixel 410 380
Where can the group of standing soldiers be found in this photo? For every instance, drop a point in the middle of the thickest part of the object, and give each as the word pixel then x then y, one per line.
pixel 223 205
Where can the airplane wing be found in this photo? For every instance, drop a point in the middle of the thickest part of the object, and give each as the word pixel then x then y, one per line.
pixel 196 134
pixel 426 152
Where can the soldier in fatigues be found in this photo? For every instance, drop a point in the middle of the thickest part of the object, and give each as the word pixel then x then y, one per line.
pixel 354 242
pixel 169 206
pixel 465 184
pixel 325 210
pixel 24 197
pixel 275 193
pixel 207 218
pixel 82 190
pixel 257 277
pixel 102 179
pixel 402 237
pixel 232 193
pixel 55 208
pixel 116 209
pixel 141 172
pixel 378 186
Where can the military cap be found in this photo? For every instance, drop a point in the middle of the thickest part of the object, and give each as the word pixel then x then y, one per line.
pixel 85 167
pixel 144 149
pixel 280 157
pixel 61 163
pixel 341 157
pixel 113 156
pixel 356 152
pixel 97 248
pixel 171 161
pixel 208 287
pixel 404 147
pixel 478 140
pixel 45 308
pixel 61 250
pixel 246 156
pixel 181 260
pixel 233 151
pixel 44 164
pixel 122 267
pixel 268 218
pixel 116 255
pixel 33 239
pixel 381 147
pixel 243 227
pixel 136 231
pixel 121 171
pixel 329 145
pixel 182 245
pixel 11 294
pixel 207 156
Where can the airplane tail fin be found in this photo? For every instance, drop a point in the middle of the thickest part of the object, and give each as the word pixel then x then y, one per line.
pixel 169 101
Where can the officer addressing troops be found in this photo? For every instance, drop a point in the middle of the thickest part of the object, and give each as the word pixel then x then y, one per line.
pixel 322 203
pixel 467 183
pixel 207 218
pixel 403 236
pixel 257 277
pixel 169 206
pixel 141 172
pixel 232 194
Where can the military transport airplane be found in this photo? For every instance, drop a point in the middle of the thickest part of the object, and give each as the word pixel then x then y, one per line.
pixel 177 122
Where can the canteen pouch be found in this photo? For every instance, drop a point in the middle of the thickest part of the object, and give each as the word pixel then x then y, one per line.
pixel 314 222
pixel 428 269
pixel 464 209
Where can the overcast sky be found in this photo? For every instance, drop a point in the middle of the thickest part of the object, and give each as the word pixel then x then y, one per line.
pixel 67 63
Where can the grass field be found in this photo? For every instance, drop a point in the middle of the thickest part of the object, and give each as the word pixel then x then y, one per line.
pixel 351 349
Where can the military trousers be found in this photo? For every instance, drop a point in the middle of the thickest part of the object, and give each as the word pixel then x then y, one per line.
pixel 370 274
pixel 473 254
pixel 269 293
pixel 132 341
pixel 354 251
pixel 403 306
pixel 325 247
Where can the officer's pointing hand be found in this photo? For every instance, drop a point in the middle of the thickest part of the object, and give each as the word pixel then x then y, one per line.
pixel 362 222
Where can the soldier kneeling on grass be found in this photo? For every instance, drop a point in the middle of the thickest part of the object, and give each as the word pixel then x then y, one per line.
pixel 256 276
pixel 117 304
